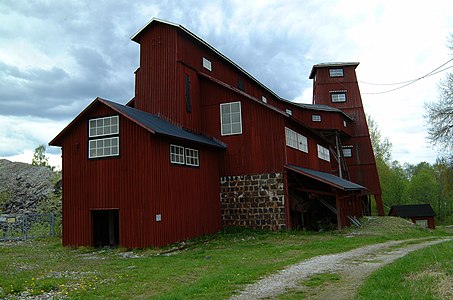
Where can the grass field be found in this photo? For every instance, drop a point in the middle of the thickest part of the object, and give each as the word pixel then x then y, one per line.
pixel 423 274
pixel 210 267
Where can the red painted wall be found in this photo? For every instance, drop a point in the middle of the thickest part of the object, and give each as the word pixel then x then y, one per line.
pixel 140 183
pixel 155 87
pixel 308 160
pixel 260 147
pixel 362 166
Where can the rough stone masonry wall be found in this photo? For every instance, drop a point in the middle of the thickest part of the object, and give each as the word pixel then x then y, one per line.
pixel 255 201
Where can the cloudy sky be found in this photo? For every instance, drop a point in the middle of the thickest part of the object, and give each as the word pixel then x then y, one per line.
pixel 57 56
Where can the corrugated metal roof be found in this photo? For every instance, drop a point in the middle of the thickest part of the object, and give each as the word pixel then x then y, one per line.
pixel 148 121
pixel 158 125
pixel 330 179
pixel 329 65
pixel 413 210
pixel 320 107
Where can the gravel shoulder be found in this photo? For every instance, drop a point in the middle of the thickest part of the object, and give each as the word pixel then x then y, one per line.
pixel 353 266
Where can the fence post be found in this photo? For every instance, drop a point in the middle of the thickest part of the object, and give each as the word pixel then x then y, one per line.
pixel 52 224
pixel 24 230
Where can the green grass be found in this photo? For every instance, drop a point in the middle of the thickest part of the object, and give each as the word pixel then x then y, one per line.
pixel 319 279
pixel 309 286
pixel 423 274
pixel 212 267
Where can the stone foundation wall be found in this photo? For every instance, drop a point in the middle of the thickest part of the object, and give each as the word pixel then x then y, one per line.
pixel 255 201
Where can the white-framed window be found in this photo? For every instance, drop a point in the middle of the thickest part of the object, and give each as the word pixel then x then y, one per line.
pixel 347 151
pixel 345 124
pixel 103 137
pixel 323 153
pixel 422 223
pixel 289 111
pixel 230 118
pixel 291 138
pixel 104 126
pixel 184 156
pixel 338 97
pixel 192 158
pixel 296 140
pixel 337 72
pixel 264 99
pixel 207 64
pixel 177 154
pixel 104 147
pixel 316 118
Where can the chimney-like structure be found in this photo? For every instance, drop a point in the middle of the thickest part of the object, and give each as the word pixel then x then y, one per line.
pixel 335 85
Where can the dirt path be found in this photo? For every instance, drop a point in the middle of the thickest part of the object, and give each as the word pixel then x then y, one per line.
pixel 353 266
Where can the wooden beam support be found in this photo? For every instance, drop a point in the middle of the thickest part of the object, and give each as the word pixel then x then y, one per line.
pixel 311 191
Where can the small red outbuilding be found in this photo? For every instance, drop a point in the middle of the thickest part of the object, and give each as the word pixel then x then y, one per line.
pixel 421 214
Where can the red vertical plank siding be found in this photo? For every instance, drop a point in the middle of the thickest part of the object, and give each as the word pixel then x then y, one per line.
pixel 141 183
pixel 362 166
pixel 329 120
pixel 155 88
pixel 260 147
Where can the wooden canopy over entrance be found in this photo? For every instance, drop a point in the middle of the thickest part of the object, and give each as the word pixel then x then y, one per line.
pixel 318 196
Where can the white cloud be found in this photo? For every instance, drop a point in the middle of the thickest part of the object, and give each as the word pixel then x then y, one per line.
pixel 19 134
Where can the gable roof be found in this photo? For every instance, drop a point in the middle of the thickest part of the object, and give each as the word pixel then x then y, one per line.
pixel 137 35
pixel 150 122
pixel 327 178
pixel 413 210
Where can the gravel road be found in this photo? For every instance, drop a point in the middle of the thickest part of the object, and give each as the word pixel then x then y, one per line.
pixel 353 266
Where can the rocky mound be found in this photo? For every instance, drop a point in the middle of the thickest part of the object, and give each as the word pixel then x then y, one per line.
pixel 26 188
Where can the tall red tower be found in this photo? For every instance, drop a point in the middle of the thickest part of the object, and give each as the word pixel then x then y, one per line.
pixel 335 85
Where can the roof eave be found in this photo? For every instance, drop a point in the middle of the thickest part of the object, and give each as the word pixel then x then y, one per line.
pixel 329 65
pixel 135 37
pixel 56 141
pixel 343 188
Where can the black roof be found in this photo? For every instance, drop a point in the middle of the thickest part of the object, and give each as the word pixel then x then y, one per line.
pixel 328 178
pixel 413 210
pixel 160 126
pixel 150 122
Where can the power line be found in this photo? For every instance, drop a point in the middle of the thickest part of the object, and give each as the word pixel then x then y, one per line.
pixel 408 82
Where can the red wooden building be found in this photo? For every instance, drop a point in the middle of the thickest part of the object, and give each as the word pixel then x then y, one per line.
pixel 203 144
pixel 420 214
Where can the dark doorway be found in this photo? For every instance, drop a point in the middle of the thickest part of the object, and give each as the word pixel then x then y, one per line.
pixel 105 228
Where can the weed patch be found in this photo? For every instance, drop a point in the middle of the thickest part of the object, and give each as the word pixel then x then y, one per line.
pixel 320 279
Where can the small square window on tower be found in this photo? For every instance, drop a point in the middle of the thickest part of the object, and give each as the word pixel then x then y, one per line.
pixel 316 118
pixel 337 72
pixel 338 97
pixel 347 151
pixel 207 64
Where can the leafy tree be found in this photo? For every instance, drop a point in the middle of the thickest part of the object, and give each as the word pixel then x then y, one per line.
pixel 39 157
pixel 382 147
pixel 440 115
pixel 424 187
pixel 444 176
